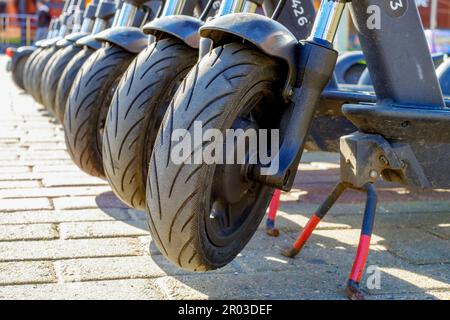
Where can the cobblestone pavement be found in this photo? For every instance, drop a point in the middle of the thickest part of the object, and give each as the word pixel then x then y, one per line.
pixel 64 235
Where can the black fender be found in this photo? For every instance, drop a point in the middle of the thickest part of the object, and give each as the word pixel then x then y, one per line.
pixel 130 39
pixel 71 38
pixel 19 54
pixel 345 61
pixel 183 27
pixel 90 42
pixel 270 36
pixel 39 43
pixel 49 42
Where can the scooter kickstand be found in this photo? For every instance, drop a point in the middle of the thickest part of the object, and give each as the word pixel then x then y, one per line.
pixel 314 220
pixel 353 290
pixel 273 208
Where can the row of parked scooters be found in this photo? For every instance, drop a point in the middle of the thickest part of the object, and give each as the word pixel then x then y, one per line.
pixel 122 76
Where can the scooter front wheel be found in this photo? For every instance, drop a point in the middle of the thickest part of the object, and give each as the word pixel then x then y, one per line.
pixel 52 74
pixel 66 81
pixel 18 71
pixel 88 104
pixel 38 71
pixel 136 113
pixel 28 69
pixel 202 215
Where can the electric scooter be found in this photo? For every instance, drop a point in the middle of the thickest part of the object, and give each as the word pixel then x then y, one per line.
pixel 202 215
pixel 244 66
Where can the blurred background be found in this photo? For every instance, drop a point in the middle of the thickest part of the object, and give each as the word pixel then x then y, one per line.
pixel 24 21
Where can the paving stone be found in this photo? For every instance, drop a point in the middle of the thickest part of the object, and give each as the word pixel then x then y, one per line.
pixel 105 200
pixel 86 230
pixel 21 176
pixel 28 232
pixel 92 269
pixel 408 279
pixel 442 230
pixel 52 192
pixel 17 184
pixel 8 205
pixel 54 168
pixel 422 251
pixel 42 155
pixel 9 155
pixel 30 272
pixel 68 249
pixel 427 295
pixel 58 216
pixel 139 289
pixel 71 179
pixel 255 286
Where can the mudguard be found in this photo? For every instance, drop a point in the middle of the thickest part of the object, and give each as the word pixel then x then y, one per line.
pixel 20 53
pixel 71 38
pixel 90 42
pixel 270 36
pixel 48 42
pixel 130 39
pixel 182 27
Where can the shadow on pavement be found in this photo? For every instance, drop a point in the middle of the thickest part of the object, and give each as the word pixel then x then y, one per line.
pixel 410 249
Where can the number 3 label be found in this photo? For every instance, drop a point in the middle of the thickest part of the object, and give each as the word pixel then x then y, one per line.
pixel 396 8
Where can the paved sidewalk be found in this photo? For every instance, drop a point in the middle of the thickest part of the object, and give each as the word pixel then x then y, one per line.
pixel 64 235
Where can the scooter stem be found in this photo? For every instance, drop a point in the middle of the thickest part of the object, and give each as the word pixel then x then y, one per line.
pixel 316 64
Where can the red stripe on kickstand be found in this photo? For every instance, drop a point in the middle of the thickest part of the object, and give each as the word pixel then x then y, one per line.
pixel 274 205
pixel 360 259
pixel 307 231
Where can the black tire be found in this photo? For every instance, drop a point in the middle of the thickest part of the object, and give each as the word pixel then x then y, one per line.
pixel 17 72
pixel 229 79
pixel 88 104
pixel 52 74
pixel 136 112
pixel 66 81
pixel 37 72
pixel 29 65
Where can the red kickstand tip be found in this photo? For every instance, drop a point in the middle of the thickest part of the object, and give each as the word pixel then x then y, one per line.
pixel 353 291
pixel 270 224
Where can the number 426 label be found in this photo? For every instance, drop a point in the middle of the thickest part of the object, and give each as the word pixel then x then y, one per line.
pixel 299 12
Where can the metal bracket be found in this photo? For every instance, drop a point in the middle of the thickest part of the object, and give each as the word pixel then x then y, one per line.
pixel 366 157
